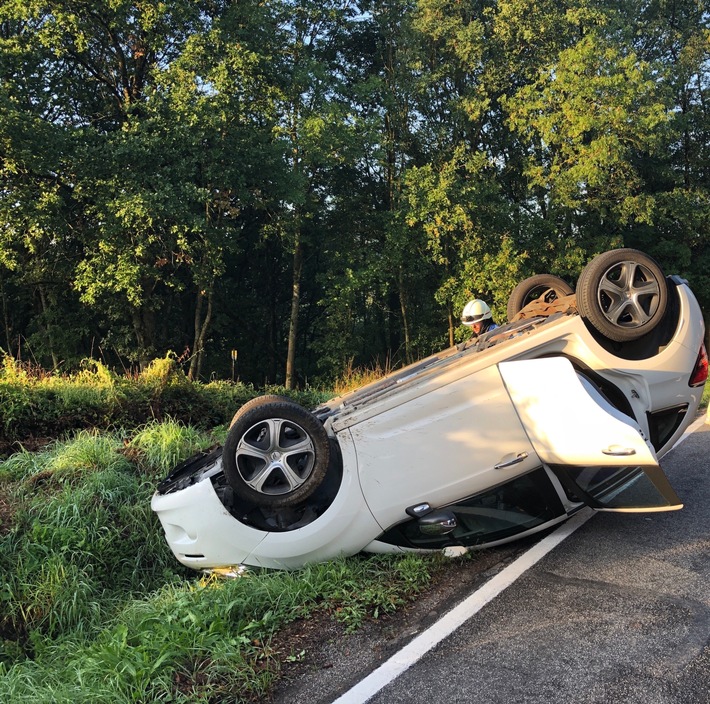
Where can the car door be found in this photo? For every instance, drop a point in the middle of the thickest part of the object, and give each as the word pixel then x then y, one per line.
pixel 599 454
pixel 454 435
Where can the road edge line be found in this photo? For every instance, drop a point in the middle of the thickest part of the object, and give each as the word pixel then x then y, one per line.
pixel 447 624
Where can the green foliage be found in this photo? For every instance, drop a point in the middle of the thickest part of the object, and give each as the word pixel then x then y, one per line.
pixel 35 405
pixel 311 184
pixel 162 372
pixel 594 109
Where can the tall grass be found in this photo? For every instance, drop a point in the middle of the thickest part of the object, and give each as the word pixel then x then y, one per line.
pixel 211 640
pixel 37 404
pixel 94 607
pixel 163 445
pixel 355 377
pixel 83 532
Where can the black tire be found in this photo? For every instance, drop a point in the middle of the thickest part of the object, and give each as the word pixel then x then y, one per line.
pixel 623 294
pixel 276 453
pixel 547 285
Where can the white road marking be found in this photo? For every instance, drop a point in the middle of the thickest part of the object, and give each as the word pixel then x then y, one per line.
pixel 401 661
pixel 407 656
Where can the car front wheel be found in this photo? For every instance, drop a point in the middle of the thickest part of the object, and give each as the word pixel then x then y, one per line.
pixel 623 294
pixel 276 453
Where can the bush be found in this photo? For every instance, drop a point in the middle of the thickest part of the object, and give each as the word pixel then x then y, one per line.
pixel 36 406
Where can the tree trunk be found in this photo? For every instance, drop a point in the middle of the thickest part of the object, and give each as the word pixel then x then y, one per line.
pixel 48 329
pixel 295 305
pixel 405 315
pixel 6 320
pixel 201 327
pixel 138 330
pixel 451 324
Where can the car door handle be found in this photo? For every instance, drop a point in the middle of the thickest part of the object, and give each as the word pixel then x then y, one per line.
pixel 509 463
pixel 618 451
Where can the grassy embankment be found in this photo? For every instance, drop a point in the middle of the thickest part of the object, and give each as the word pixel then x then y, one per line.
pixel 93 606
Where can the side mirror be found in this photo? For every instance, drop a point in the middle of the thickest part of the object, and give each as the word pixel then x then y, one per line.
pixel 437 523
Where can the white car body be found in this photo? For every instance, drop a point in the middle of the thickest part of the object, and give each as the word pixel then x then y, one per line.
pixel 541 409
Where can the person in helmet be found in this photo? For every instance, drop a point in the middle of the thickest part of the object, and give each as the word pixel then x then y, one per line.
pixel 477 315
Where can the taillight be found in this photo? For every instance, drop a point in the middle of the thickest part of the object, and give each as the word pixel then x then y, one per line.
pixel 700 372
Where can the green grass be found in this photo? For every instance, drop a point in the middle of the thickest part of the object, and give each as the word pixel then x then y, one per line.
pixel 95 608
pixel 212 640
pixel 163 445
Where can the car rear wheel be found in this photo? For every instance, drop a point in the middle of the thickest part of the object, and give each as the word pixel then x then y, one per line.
pixel 276 453
pixel 623 294
pixel 548 286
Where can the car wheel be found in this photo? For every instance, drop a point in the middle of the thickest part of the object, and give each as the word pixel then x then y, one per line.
pixel 623 294
pixel 548 286
pixel 276 453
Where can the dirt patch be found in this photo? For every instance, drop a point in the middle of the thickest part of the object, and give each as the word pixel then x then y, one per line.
pixel 320 661
pixel 30 443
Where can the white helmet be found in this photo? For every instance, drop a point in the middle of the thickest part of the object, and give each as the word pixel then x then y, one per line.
pixel 475 311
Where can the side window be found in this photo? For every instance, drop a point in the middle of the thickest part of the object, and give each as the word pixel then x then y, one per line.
pixel 519 505
pixel 619 488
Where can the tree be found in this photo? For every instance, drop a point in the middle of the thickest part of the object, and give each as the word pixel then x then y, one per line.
pixel 321 185
pixel 311 123
pixel 590 114
pixel 160 110
pixel 674 39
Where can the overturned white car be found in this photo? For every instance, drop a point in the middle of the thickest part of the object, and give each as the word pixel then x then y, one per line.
pixel 572 403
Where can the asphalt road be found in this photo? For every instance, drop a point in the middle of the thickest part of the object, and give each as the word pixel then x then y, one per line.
pixel 617 612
